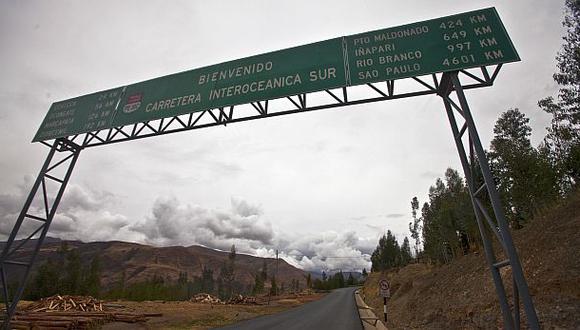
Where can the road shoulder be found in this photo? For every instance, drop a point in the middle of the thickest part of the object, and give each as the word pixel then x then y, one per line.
pixel 368 318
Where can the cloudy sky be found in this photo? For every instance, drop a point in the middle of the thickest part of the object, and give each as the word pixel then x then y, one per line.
pixel 317 185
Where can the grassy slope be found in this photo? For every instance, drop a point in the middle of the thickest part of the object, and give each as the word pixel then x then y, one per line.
pixel 462 295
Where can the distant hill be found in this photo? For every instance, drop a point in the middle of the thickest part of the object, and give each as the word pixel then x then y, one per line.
pixel 141 262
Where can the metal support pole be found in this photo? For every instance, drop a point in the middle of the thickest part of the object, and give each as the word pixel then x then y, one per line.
pixel 385 309
pixel 10 255
pixel 516 305
pixel 487 245
pixel 451 82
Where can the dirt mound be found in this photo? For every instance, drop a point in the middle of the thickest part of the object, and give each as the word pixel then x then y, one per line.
pixel 462 295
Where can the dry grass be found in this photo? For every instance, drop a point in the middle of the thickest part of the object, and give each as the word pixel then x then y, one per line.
pixel 198 316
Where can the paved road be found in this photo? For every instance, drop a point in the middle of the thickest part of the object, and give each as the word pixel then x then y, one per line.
pixel 336 311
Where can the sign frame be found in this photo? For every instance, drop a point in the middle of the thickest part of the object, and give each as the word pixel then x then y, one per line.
pixel 335 60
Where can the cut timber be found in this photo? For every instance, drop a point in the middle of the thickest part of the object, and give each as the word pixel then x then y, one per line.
pixel 66 303
pixel 72 312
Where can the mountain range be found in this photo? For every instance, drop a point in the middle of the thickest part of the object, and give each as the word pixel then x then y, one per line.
pixel 138 262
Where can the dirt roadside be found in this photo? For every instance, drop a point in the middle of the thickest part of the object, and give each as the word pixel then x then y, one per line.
pixel 461 294
pixel 198 316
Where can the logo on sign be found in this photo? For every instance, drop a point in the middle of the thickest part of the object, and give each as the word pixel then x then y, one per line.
pixel 133 103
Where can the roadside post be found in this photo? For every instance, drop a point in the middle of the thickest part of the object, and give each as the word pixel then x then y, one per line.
pixel 385 292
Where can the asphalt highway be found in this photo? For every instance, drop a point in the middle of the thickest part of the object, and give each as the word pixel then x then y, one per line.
pixel 336 311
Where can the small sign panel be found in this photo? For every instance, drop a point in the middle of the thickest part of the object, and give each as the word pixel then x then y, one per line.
pixel 384 288
pixel 443 44
pixel 79 115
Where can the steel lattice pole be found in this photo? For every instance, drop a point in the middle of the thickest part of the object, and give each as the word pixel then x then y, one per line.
pixel 514 259
pixel 59 145
pixel 450 81
pixel 487 244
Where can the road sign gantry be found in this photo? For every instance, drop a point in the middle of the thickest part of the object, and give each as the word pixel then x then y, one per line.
pixel 451 43
pixel 443 56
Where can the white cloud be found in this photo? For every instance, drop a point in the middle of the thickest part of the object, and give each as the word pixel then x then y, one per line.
pixel 82 215
pixel 329 250
pixel 173 223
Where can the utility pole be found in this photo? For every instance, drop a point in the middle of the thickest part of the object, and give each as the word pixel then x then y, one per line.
pixel 277 269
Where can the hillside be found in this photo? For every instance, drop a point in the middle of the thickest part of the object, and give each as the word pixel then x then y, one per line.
pixel 141 262
pixel 461 294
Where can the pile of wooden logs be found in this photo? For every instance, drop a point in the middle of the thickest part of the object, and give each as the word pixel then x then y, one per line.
pixel 73 320
pixel 59 320
pixel 71 312
pixel 306 292
pixel 206 298
pixel 238 299
pixel 241 300
pixel 67 303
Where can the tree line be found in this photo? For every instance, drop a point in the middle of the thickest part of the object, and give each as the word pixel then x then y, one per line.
pixel 529 179
pixel 222 284
pixel 65 274
pixel 337 280
pixel 389 254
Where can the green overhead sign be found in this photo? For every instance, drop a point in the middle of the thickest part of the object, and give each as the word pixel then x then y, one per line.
pixel 449 43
